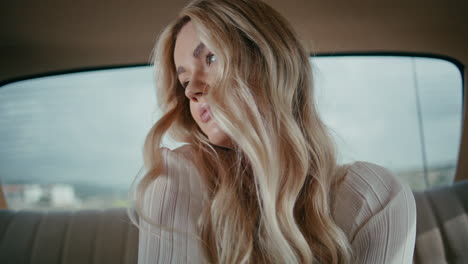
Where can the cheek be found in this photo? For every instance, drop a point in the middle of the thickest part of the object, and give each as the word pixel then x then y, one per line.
pixel 193 112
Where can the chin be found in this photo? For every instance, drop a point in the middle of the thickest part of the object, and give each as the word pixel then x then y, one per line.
pixel 222 143
pixel 219 138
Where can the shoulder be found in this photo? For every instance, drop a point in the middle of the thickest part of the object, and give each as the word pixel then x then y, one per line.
pixel 178 159
pixel 180 169
pixel 373 182
pixel 185 152
pixel 367 190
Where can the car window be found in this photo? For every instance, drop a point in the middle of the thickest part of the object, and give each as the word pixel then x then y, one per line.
pixel 404 113
pixel 75 140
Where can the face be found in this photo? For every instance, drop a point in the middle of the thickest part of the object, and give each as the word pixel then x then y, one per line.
pixel 194 64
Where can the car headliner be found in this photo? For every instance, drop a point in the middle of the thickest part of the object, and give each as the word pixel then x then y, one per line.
pixel 39 37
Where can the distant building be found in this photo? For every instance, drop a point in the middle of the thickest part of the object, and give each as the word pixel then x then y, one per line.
pixel 29 196
pixel 62 195
pixel 32 193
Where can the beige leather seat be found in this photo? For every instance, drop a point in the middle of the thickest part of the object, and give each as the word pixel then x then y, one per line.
pixel 442 225
pixel 108 236
pixel 89 236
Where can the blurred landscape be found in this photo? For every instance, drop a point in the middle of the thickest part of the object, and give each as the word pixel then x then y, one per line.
pixel 64 196
pixel 92 196
pixel 437 176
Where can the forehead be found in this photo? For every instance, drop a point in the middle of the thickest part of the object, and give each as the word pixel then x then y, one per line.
pixel 187 40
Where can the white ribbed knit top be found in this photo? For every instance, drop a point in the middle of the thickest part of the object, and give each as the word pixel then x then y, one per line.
pixel 374 209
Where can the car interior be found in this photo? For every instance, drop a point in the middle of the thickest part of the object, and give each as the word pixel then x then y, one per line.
pixel 77 99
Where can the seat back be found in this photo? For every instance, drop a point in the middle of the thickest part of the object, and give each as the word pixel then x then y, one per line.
pixel 108 236
pixel 87 236
pixel 442 225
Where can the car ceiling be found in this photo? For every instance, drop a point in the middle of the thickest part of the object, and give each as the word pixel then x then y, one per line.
pixel 39 37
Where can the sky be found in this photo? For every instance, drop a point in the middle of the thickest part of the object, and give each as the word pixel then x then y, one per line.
pixel 90 126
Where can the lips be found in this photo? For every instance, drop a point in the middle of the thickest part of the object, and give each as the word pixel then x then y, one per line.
pixel 204 112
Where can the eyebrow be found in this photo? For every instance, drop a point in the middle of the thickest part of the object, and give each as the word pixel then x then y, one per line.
pixel 196 53
pixel 198 50
pixel 180 70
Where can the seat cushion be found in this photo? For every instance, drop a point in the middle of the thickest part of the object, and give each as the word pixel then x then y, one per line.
pixel 108 236
pixel 442 225
pixel 48 237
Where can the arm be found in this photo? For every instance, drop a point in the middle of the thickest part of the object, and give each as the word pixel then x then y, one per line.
pixel 389 235
pixel 170 202
pixel 377 213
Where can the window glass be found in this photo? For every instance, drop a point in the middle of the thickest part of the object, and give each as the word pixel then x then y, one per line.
pixel 403 113
pixel 75 140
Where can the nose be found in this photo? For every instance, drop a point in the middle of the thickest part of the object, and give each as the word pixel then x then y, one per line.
pixel 196 89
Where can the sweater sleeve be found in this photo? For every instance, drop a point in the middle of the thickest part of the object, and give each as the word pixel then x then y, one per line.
pixel 172 201
pixel 378 214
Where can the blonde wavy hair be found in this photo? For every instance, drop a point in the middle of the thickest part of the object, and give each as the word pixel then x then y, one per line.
pixel 274 204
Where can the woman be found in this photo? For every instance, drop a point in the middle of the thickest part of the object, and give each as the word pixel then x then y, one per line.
pixel 258 181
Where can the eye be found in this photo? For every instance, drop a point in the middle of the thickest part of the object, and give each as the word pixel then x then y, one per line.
pixel 210 58
pixel 185 84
